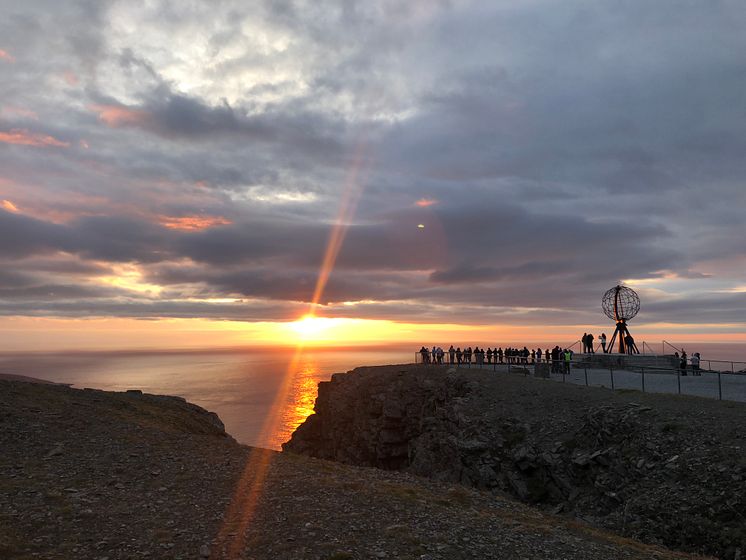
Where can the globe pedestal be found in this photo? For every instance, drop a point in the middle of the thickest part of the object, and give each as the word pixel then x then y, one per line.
pixel 626 342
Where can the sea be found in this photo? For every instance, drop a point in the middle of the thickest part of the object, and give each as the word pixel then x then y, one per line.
pixel 260 394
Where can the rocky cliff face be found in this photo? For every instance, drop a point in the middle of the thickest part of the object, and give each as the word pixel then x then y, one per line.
pixel 660 468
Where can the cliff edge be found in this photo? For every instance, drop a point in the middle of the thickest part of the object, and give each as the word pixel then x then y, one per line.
pixel 659 468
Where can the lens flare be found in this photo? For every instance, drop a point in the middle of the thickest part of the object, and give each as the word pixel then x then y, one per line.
pixel 232 535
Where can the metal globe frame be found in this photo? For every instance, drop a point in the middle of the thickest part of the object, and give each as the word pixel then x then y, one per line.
pixel 621 304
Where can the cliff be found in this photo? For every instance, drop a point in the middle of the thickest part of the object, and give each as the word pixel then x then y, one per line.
pixel 660 468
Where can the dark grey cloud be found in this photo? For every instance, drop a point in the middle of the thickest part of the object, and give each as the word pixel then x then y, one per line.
pixel 21 236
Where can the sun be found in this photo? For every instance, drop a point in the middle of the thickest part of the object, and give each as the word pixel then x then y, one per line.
pixel 310 327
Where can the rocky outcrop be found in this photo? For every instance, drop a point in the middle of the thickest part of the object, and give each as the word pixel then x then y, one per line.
pixel 660 468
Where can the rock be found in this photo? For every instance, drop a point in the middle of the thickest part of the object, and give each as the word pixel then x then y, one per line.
pixel 54 452
pixel 204 551
pixel 591 454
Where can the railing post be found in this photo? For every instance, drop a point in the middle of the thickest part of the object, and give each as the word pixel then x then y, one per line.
pixel 643 379
pixel 720 388
pixel 678 379
pixel 611 370
pixel 585 369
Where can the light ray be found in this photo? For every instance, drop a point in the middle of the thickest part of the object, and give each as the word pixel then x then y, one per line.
pixel 231 539
pixel 348 205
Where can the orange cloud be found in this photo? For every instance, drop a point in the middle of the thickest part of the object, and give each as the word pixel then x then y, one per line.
pixel 6 56
pixel 23 137
pixel 425 202
pixel 9 206
pixel 192 223
pixel 118 115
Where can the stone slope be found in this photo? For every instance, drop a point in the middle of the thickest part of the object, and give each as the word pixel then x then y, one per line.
pixel 660 468
pixel 93 475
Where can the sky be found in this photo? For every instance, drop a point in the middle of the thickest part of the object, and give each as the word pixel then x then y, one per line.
pixel 207 173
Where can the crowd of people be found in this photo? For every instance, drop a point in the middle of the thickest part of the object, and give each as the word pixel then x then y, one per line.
pixel 694 361
pixel 558 357
pixel 588 347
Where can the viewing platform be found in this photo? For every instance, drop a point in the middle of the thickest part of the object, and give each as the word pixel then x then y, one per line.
pixel 627 361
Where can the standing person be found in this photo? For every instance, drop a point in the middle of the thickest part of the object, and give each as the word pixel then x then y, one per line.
pixel 459 355
pixel 568 356
pixel 590 339
pixel 489 355
pixel 584 340
pixel 602 338
pixel 423 353
pixel 451 354
pixel 500 354
pixel 682 362
pixel 467 355
pixel 695 364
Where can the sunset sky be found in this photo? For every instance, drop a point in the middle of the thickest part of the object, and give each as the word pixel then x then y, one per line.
pixel 201 173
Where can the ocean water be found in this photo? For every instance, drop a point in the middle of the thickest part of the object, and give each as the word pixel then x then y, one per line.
pixel 242 387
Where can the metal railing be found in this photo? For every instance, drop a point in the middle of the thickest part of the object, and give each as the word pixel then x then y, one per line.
pixel 719 379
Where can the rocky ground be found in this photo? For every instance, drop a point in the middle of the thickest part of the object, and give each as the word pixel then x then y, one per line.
pixel 664 469
pixel 91 474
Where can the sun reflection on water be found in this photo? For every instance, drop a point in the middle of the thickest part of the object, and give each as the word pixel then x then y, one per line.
pixel 300 403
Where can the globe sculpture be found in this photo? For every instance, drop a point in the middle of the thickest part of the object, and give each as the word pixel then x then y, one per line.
pixel 621 304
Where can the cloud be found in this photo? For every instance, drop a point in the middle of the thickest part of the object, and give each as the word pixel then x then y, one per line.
pixel 548 153
pixel 5 56
pixel 117 116
pixel 192 223
pixel 23 137
pixel 9 206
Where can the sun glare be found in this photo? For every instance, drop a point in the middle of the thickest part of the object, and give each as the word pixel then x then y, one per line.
pixel 310 327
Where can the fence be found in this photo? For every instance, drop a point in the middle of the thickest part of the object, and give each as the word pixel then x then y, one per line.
pixel 718 379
